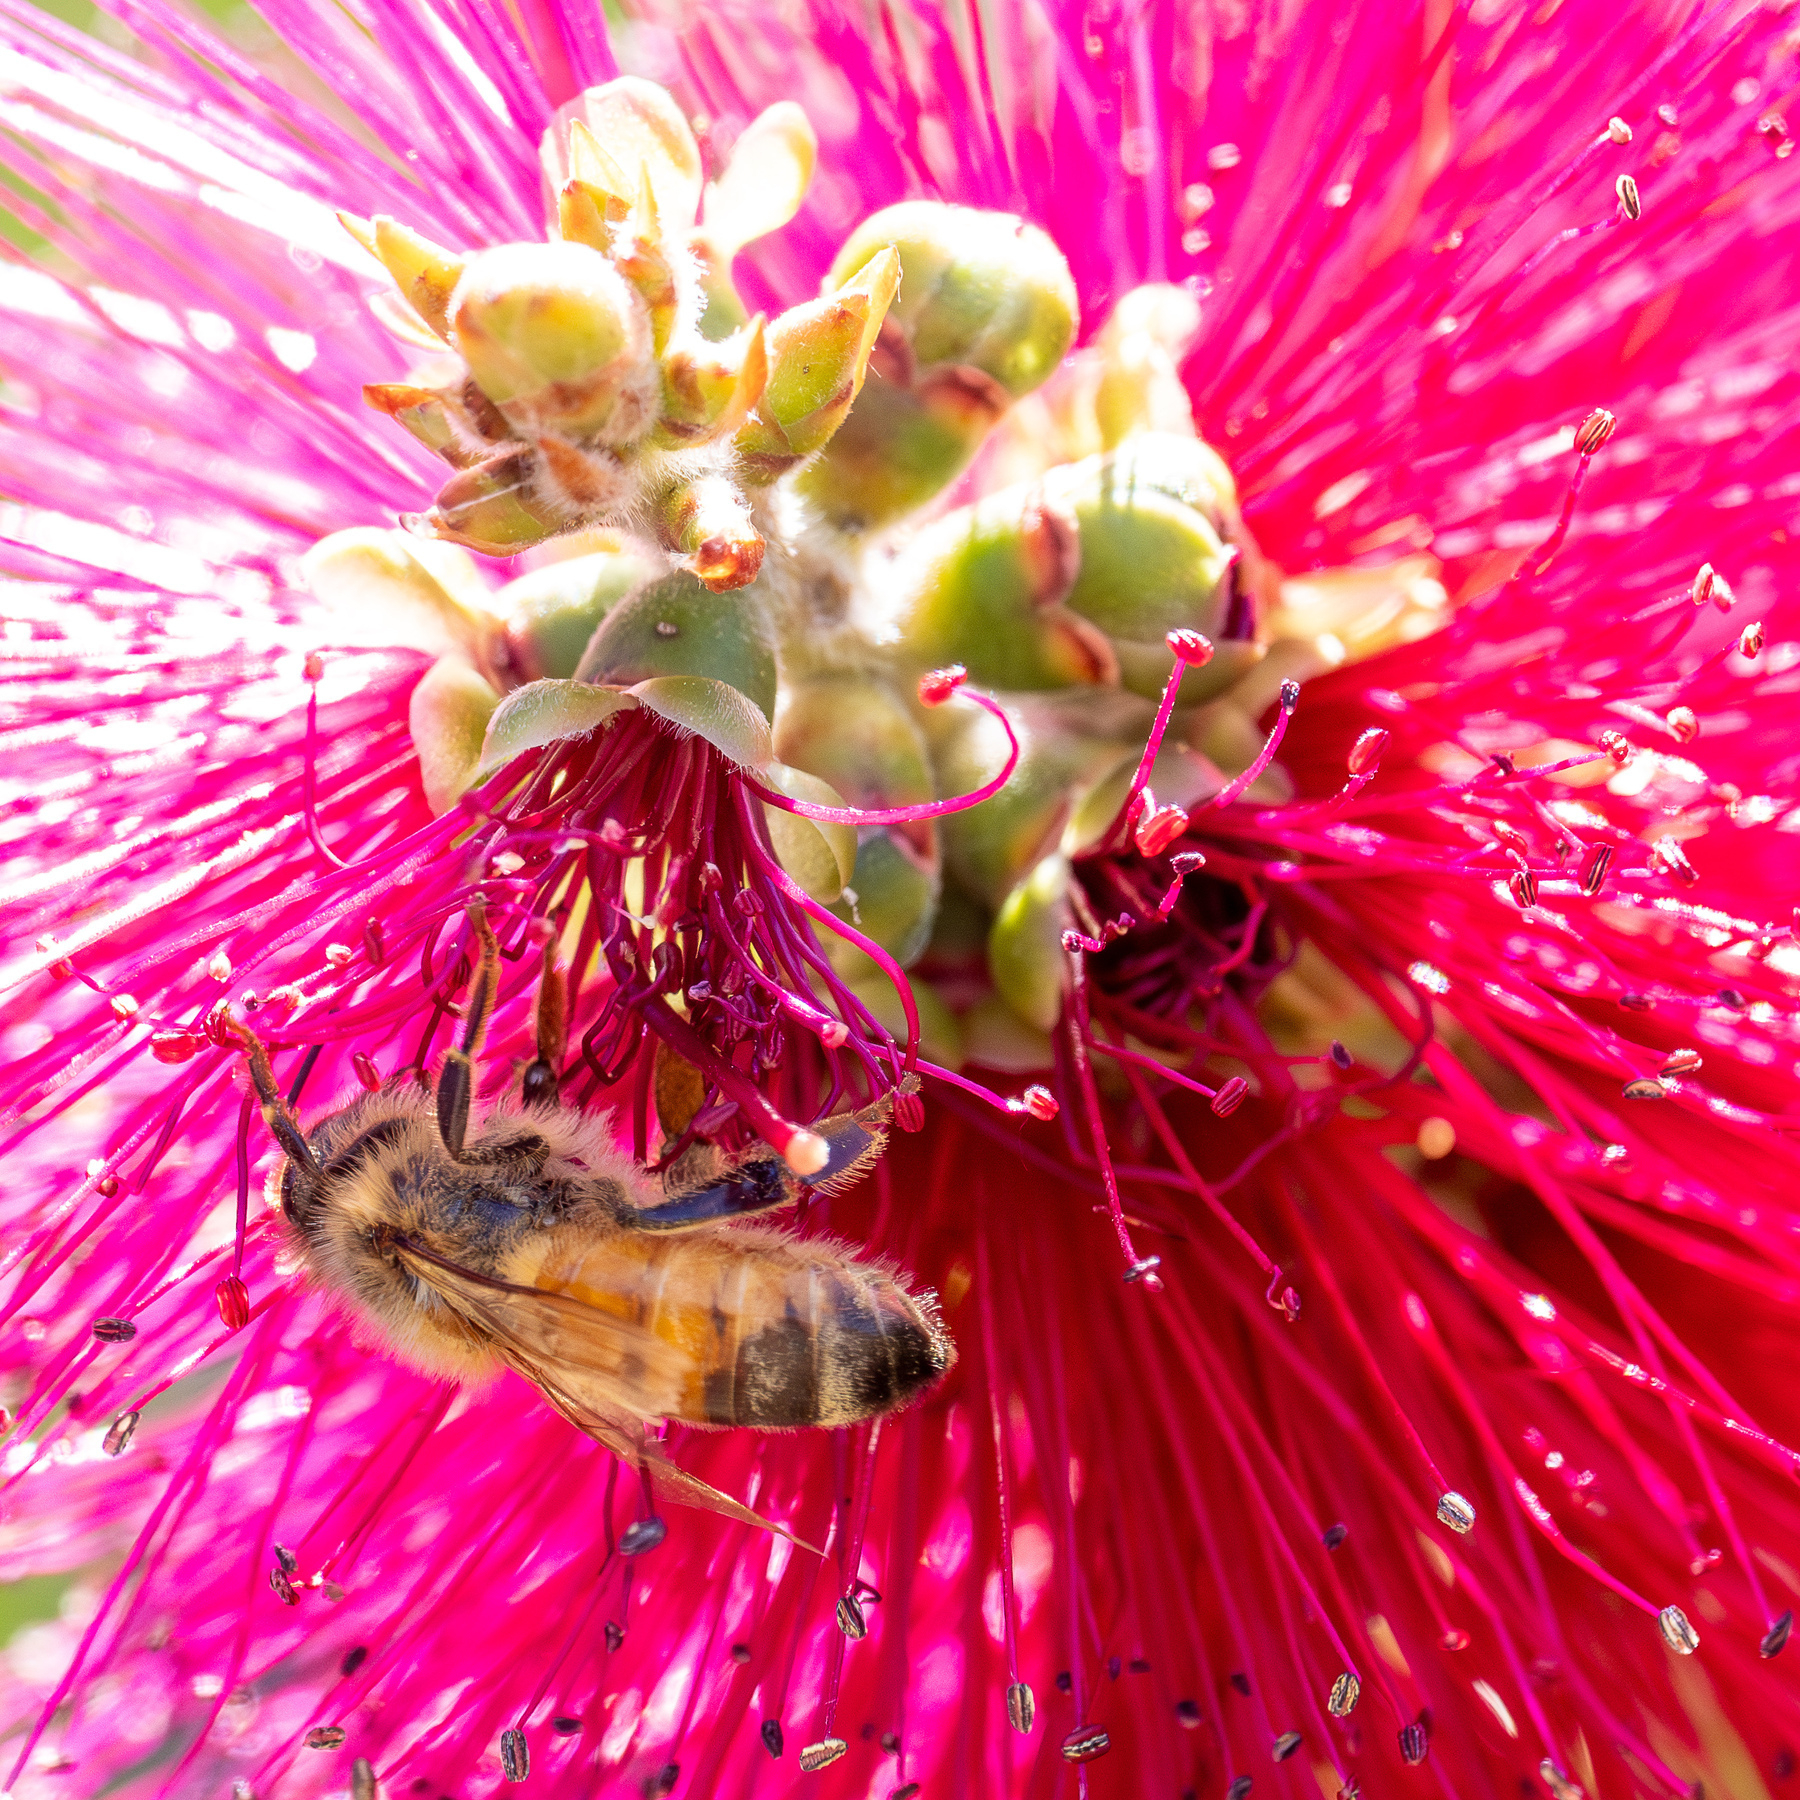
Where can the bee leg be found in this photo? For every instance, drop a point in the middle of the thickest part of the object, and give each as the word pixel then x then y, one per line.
pixel 283 1126
pixel 753 1187
pixel 541 1073
pixel 456 1079
pixel 853 1141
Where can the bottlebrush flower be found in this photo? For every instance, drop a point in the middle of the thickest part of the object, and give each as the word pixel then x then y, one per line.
pixel 1357 1036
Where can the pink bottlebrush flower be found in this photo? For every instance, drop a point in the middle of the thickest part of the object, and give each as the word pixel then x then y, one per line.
pixel 1352 1145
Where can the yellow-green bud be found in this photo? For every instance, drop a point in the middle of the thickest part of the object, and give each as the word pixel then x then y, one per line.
pixel 642 133
pixel 675 627
pixel 854 731
pixel 1025 955
pixel 448 715
pixel 818 355
pixel 551 614
pixel 709 389
pixel 425 273
pixel 817 853
pixel 425 413
pixel 390 587
pixel 495 507
pixel 986 310
pixel 1140 349
pixel 706 525
pixel 554 336
pixel 896 895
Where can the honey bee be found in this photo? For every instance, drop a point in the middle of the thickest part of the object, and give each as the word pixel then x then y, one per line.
pixel 529 1242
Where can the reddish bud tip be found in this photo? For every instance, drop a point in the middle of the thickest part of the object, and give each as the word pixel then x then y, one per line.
pixel 1191 647
pixel 1701 589
pixel 174 1046
pixel 1750 643
pixel 1368 749
pixel 233 1301
pixel 909 1112
pixel 366 1071
pixel 1158 830
pixel 314 666
pixel 1594 430
pixel 1230 1097
pixel 937 686
pixel 1040 1103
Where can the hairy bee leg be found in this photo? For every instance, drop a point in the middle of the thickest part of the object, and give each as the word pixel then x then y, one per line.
pixel 541 1073
pixel 456 1079
pixel 852 1141
pixel 283 1126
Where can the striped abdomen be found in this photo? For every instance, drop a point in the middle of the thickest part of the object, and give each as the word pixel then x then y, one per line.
pixel 774 1331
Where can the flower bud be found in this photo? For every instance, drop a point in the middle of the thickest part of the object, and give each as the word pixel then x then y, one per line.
pixel 640 134
pixel 1141 346
pixel 390 587
pixel 896 889
pixel 425 413
pixel 552 613
pixel 710 389
pixel 425 273
pixel 554 336
pixel 675 627
pixel 498 507
pixel 1025 955
pixel 765 181
pixel 817 853
pixel 448 715
pixel 986 311
pixel 706 525
pixel 818 355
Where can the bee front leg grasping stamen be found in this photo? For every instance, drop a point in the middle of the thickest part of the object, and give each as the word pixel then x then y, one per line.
pixel 282 1124
pixel 543 1072
pixel 456 1079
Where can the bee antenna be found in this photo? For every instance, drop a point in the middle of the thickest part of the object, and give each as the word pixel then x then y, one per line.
pixel 282 1124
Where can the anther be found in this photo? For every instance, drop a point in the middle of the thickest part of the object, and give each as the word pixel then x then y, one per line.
pixel 1617 746
pixel 282 1588
pixel 614 1635
pixel 1631 203
pixel 1775 1639
pixel 1230 1097
pixel 1240 1788
pixel 1644 1087
pixel 1750 641
pixel 515 1755
pixel 1618 130
pixel 850 1617
pixel 822 1754
pixel 1340 1056
pixel 1413 1745
pixel 1366 752
pixel 908 1791
pixel 1683 725
pixel 366 1071
pixel 1345 1692
pixel 1595 862
pixel 1290 696
pixel 1144 1270
pixel 564 1726
pixel 114 1331
pixel 220 966
pixel 1085 1743
pixel 1677 1633
pixel 642 1536
pixel 1681 1062
pixel 1188 1715
pixel 1522 885
pixel 325 1737
pixel 1333 1535
pixel 1456 1512
pixel 1190 647
pixel 909 1112
pixel 1668 858
pixel 124 1006
pixel 1156 831
pixel 890 1742
pixel 120 1433
pixel 1021 1707
pixel 174 1046
pixel 1701 589
pixel 362 1779
pixel 1285 1746
pixel 1455 1639
pixel 1040 1103
pixel 1593 431
pixel 354 1658
pixel 1187 862
pixel 937 686
pixel 771 1737
pixel 233 1301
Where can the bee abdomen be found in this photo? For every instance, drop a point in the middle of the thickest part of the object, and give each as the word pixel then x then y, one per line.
pixel 849 1344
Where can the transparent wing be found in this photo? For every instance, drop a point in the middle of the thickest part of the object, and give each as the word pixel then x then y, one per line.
pixel 604 1374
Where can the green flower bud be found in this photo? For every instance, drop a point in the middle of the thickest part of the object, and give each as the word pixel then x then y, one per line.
pixel 551 614
pixel 675 627
pixel 547 712
pixel 706 524
pixel 817 853
pixel 424 412
pixel 1140 350
pixel 940 1038
pixel 642 135
pixel 448 715
pixel 713 710
pixel 986 311
pixel 1025 954
pixel 554 336
pixel 709 389
pixel 1180 776
pixel 895 904
pixel 391 587
pixel 425 273
pixel 495 507
pixel 818 355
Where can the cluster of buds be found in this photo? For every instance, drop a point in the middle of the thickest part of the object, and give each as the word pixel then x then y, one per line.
pixel 1101 580
pixel 607 377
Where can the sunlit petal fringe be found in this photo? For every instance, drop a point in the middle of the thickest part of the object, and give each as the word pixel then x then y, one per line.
pixel 1496 1225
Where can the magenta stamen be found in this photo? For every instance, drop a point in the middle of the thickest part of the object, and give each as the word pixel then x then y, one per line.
pixel 903 815
pixel 1191 651
pixel 313 833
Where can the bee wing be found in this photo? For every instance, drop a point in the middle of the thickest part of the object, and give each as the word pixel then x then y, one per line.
pixel 604 1374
